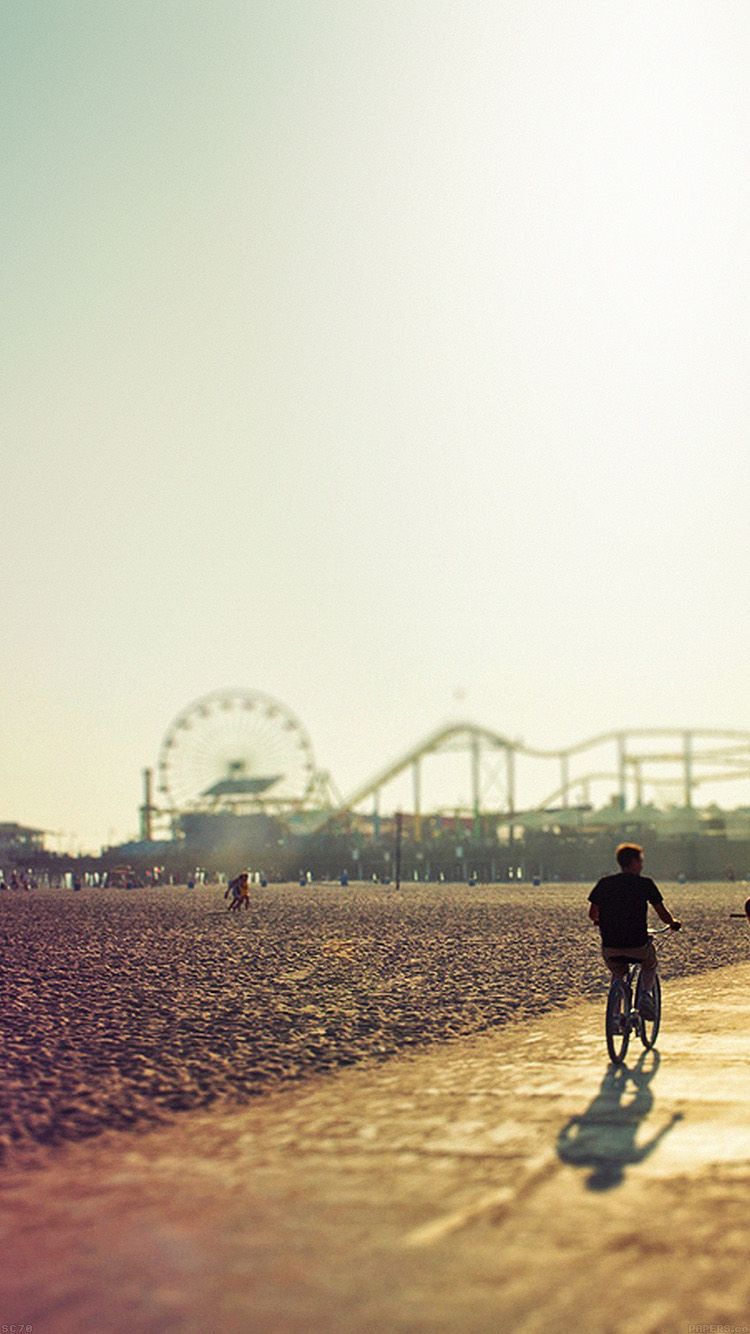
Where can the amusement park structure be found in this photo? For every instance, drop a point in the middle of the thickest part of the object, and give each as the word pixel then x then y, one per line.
pixel 640 766
pixel 240 753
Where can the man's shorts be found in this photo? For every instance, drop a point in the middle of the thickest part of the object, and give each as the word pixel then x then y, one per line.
pixel 646 955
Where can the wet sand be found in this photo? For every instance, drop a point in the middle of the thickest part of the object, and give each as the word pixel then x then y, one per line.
pixel 125 1008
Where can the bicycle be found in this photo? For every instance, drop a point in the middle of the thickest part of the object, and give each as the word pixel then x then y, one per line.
pixel 623 1017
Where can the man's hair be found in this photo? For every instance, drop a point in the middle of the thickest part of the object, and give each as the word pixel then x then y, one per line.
pixel 627 852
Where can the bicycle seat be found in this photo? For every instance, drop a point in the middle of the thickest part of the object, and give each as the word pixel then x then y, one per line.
pixel 624 958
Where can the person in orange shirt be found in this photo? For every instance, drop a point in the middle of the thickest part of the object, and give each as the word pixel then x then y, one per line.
pixel 239 891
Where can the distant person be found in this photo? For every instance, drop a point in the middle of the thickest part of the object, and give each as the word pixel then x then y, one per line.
pixel 618 905
pixel 238 892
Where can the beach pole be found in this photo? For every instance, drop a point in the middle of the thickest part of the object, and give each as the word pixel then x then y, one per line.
pixel 399 827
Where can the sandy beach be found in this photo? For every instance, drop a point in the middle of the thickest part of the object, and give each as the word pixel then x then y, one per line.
pixel 126 1008
pixel 509 1181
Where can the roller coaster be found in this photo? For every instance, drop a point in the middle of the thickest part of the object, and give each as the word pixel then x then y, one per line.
pixel 643 766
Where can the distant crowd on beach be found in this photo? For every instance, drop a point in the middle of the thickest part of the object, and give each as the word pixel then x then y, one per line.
pixel 28 880
pixel 126 877
pixel 20 880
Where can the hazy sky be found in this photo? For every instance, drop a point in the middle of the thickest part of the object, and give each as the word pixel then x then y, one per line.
pixel 361 351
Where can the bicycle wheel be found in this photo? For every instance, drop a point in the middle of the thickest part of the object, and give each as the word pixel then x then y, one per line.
pixel 617 1023
pixel 649 1028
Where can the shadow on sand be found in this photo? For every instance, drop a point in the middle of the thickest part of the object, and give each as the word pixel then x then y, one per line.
pixel 603 1137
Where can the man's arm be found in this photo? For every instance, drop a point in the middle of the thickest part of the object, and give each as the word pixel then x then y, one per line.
pixel 662 911
pixel 594 913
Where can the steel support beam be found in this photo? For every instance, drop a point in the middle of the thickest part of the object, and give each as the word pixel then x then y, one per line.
pixel 416 776
pixel 475 751
pixel 510 768
pixel 688 768
pixel 622 770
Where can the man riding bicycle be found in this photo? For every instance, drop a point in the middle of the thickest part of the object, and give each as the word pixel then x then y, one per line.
pixel 618 905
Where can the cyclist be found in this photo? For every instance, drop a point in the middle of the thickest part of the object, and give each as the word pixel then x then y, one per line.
pixel 618 905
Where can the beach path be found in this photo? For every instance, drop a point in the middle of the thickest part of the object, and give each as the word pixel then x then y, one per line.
pixel 510 1181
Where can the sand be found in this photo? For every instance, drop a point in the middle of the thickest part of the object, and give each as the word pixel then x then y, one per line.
pixel 124 1008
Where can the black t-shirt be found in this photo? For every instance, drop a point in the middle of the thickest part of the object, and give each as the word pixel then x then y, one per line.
pixel 623 902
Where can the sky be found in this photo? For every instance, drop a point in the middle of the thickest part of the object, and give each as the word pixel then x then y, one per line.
pixel 388 357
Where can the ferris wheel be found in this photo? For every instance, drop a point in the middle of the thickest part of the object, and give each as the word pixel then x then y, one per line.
pixel 235 750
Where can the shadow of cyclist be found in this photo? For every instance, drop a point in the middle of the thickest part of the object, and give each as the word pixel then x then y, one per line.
pixel 604 1136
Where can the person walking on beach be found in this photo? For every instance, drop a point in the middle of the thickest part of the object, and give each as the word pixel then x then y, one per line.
pixel 618 905
pixel 239 891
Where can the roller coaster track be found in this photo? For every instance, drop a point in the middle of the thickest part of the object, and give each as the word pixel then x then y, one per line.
pixel 690 755
pixel 436 741
pixel 604 737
